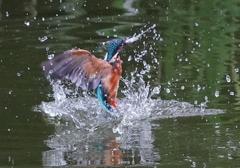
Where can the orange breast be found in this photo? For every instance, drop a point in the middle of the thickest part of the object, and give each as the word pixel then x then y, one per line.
pixel 111 84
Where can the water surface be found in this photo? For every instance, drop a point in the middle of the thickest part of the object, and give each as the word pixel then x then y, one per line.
pixel 179 95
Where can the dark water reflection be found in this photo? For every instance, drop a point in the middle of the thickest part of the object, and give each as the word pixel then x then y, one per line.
pixel 193 54
pixel 101 147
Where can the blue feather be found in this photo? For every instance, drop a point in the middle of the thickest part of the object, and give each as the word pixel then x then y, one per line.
pixel 102 98
pixel 113 46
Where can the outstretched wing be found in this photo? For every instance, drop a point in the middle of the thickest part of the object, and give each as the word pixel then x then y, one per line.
pixel 80 66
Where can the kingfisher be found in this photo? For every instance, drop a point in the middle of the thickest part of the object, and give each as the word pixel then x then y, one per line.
pixel 91 73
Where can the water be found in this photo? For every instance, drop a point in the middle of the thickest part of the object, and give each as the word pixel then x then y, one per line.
pixel 178 96
pixel 136 105
pixel 84 136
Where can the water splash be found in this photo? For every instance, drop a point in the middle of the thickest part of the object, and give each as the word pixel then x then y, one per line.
pixel 84 110
pixel 85 136
pixel 137 37
pixel 138 105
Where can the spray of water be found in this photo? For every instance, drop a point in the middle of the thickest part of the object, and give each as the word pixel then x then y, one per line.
pixel 85 112
pixel 137 104
pixel 82 127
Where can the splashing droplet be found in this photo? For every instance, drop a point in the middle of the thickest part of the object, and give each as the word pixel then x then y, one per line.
pixel 27 23
pixel 168 90
pixel 50 56
pixel 7 14
pixel 42 39
pixel 228 78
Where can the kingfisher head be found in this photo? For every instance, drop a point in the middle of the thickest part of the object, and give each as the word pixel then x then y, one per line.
pixel 114 46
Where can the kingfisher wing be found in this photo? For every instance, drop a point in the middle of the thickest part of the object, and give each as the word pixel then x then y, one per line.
pixel 80 66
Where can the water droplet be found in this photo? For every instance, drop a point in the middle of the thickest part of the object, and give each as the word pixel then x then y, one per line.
pixel 27 23
pixel 42 39
pixel 156 90
pixel 217 93
pixel 43 19
pixel 194 164
pixel 232 93
pixel 168 90
pixel 7 14
pixel 50 56
pixel 229 157
pixel 199 88
pixel 18 74
pixel 220 156
pixel 10 92
pixel 237 70
pixel 228 78
pixel 196 24
pixel 203 105
pixel 182 87
pixel 130 58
